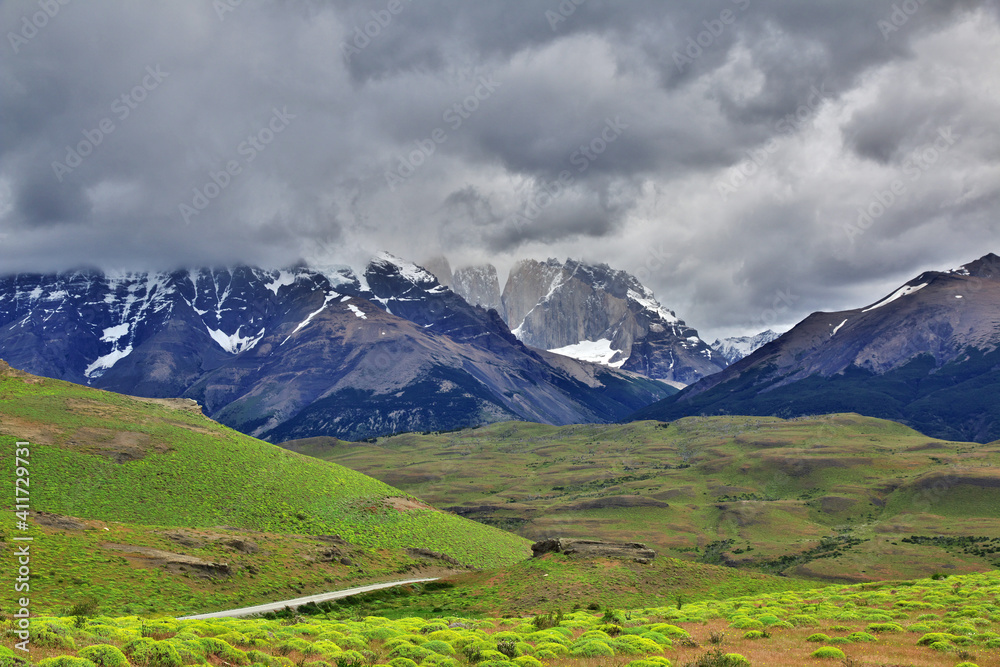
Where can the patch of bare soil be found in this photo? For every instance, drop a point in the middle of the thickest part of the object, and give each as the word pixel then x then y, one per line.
pixel 117 446
pixel 147 557
pixel 407 504
pixel 202 539
pixel 188 404
pixel 6 370
pixel 58 521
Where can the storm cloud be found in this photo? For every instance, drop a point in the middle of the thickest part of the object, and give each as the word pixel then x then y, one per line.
pixel 751 160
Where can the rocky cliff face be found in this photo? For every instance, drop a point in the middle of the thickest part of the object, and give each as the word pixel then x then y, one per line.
pixel 604 315
pixel 480 286
pixel 928 354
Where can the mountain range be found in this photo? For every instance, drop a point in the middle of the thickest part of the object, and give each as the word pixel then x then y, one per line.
pixel 299 352
pixel 927 355
pixel 306 351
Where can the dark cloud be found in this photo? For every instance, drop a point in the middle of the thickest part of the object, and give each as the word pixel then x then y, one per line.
pixel 724 150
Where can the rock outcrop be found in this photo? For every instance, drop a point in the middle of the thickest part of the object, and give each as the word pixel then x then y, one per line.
pixel 594 312
pixel 480 286
pixel 636 551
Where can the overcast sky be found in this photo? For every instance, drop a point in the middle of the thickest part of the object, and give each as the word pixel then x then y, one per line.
pixel 720 150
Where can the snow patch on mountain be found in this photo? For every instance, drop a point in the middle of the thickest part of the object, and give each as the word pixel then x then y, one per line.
pixel 112 334
pixel 234 343
pixel 103 363
pixel 901 292
pixel 283 279
pixel 649 302
pixel 596 351
pixel 329 297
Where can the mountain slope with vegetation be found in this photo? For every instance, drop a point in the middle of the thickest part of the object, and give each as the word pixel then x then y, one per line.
pixel 131 487
pixel 839 497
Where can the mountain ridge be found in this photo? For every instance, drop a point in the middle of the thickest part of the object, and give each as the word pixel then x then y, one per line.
pixel 259 348
pixel 927 354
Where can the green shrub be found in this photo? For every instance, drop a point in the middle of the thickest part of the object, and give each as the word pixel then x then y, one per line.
pixel 669 630
pixel 966 664
pixel 932 637
pixel 527 661
pixel 439 661
pixel 439 647
pixel 148 652
pixel 591 649
pixel 415 653
pixel 754 634
pixel 402 662
pixel 652 661
pixel 634 645
pixel 49 637
pixel 746 624
pixel 943 646
pixel 803 620
pixel 818 637
pixel 104 655
pixel 839 640
pixel 64 661
pixel 552 647
pixel 829 653
pixel 879 628
pixel 324 647
pixel 858 637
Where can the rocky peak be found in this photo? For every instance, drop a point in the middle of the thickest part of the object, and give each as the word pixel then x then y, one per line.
pixel 594 312
pixel 480 286
pixel 441 269
pixel 735 348
pixel 987 267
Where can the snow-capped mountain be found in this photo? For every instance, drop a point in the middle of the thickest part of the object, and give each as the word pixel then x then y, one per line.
pixel 736 347
pixel 600 314
pixel 928 355
pixel 297 352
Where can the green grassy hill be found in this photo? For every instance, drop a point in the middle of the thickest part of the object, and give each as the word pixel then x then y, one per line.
pixel 136 488
pixel 839 497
